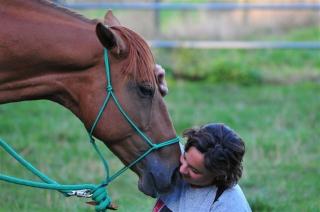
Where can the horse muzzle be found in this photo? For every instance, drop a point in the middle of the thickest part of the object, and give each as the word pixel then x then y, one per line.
pixel 158 177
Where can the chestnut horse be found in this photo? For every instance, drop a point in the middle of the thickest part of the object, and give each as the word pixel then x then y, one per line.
pixel 49 52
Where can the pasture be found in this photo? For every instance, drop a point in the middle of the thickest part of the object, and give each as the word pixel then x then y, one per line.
pixel 277 114
pixel 280 125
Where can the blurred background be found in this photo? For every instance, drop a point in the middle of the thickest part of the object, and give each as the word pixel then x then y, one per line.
pixel 253 66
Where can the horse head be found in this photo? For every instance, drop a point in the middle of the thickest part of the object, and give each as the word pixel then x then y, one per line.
pixel 139 89
pixel 61 58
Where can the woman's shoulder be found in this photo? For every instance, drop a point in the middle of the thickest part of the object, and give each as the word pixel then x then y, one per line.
pixel 235 195
pixel 236 189
pixel 187 198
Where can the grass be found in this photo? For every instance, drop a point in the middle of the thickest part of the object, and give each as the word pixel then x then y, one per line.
pixel 52 139
pixel 280 125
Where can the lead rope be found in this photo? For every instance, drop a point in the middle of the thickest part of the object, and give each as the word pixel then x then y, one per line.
pixel 98 192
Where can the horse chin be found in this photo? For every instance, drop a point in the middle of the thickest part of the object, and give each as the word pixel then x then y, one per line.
pixel 148 190
pixel 148 186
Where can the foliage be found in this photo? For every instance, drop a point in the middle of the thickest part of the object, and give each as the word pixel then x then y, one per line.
pixel 208 66
pixel 246 67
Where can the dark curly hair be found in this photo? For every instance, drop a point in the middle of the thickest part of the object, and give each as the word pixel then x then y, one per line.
pixel 223 151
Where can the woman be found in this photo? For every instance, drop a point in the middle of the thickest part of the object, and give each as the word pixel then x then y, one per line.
pixel 211 166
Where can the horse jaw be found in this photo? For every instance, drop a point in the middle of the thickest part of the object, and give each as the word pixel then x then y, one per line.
pixel 145 187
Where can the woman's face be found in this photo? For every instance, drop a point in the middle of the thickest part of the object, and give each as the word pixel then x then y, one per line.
pixel 192 168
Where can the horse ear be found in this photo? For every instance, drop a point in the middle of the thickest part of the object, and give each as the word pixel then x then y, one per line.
pixel 110 19
pixel 161 80
pixel 106 36
pixel 110 40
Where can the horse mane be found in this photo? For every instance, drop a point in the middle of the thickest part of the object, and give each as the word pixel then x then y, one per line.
pixel 67 11
pixel 140 62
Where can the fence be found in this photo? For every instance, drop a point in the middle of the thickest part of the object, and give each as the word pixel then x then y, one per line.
pixel 192 6
pixel 157 6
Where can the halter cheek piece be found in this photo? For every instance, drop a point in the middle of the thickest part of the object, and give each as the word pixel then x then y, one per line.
pixel 98 192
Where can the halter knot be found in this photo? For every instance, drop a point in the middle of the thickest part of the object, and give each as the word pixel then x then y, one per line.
pixel 109 88
pixel 101 197
pixel 91 139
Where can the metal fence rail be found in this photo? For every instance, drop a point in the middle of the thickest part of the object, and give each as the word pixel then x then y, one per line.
pixel 234 44
pixel 157 6
pixel 194 6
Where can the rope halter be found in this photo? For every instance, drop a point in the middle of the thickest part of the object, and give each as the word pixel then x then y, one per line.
pixel 98 192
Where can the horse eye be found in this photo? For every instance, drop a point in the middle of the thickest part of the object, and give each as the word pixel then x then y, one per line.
pixel 146 90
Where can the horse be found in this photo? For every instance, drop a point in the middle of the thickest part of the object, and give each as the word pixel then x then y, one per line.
pixel 50 52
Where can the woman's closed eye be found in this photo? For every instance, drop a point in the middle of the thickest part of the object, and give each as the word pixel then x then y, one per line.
pixel 195 170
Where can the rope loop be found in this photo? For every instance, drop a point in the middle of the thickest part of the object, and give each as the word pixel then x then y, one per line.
pixel 91 139
pixel 101 197
pixel 109 88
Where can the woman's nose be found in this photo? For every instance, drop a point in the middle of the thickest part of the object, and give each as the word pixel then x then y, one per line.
pixel 183 169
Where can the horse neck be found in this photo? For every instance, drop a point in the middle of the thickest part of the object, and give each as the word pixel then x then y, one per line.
pixel 43 51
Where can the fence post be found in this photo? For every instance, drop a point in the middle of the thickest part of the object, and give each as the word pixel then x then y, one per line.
pixel 157 21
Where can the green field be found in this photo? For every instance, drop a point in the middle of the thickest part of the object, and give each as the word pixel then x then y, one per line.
pixel 280 125
pixel 270 97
